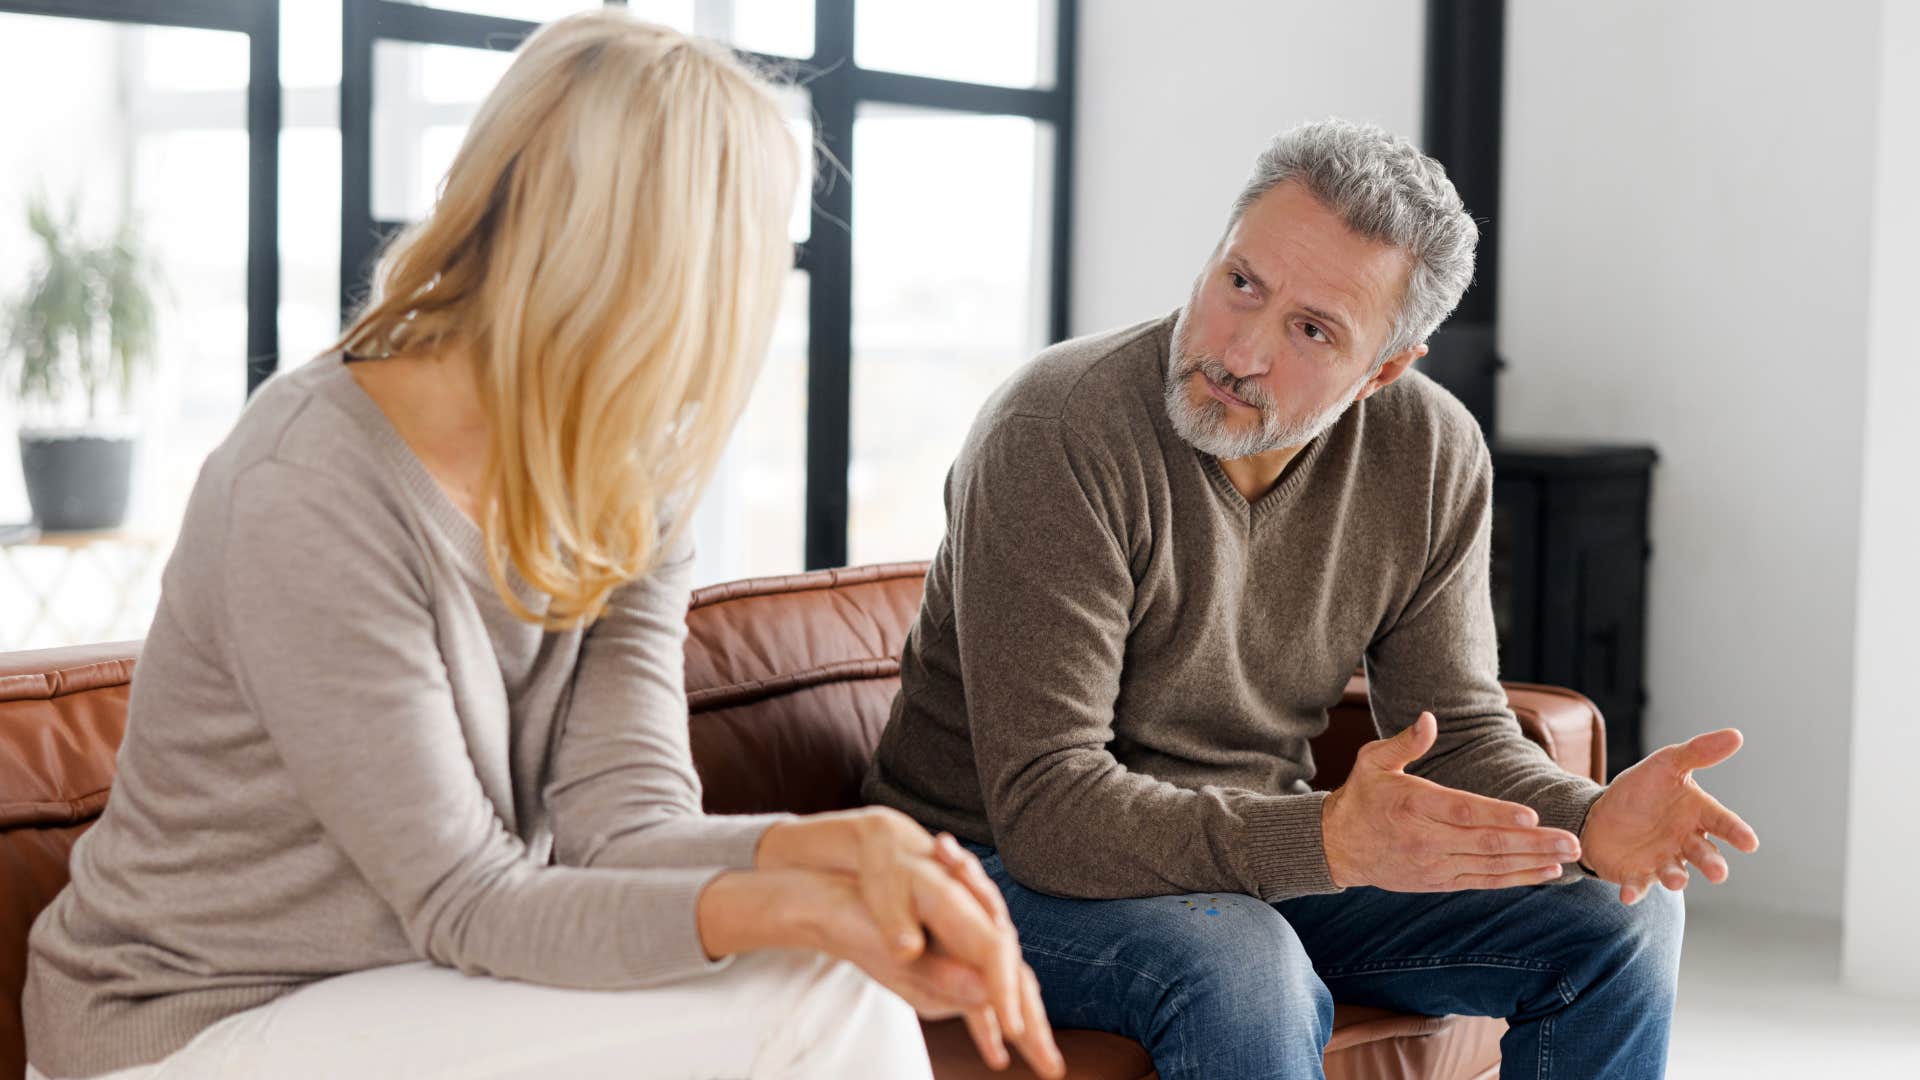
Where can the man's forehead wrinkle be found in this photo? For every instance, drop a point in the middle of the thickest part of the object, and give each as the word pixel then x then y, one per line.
pixel 1320 280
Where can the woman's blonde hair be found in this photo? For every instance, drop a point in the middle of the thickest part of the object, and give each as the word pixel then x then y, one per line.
pixel 609 248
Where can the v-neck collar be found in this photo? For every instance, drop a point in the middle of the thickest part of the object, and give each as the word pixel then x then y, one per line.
pixel 1292 479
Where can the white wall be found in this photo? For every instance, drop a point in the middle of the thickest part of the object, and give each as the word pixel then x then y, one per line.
pixel 1688 200
pixel 1176 100
pixel 1690 240
pixel 1881 936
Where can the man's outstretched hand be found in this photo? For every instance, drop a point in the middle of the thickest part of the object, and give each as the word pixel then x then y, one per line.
pixel 1653 820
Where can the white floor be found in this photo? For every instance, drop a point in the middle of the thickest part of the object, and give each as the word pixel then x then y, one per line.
pixel 1760 996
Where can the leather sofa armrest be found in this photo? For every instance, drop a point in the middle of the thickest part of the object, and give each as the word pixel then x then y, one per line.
pixel 1568 724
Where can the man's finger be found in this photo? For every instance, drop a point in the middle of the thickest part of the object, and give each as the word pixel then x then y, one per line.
pixel 1512 840
pixel 1710 748
pixel 1466 809
pixel 1674 876
pixel 1505 864
pixel 1405 748
pixel 1633 892
pixel 1727 825
pixel 1536 876
pixel 1701 853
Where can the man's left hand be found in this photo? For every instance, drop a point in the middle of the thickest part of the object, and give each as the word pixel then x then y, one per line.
pixel 1653 820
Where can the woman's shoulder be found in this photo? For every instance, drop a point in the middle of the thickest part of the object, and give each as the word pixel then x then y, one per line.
pixel 301 417
pixel 300 459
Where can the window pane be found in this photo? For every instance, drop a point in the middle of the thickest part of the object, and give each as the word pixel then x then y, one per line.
pixel 424 96
pixel 778 27
pixel 309 43
pixel 309 178
pixel 152 120
pixel 1004 42
pixel 752 518
pixel 946 304
pixel 174 59
pixel 530 10
pixel 309 241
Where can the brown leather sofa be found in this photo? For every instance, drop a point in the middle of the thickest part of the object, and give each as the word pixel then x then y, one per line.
pixel 789 681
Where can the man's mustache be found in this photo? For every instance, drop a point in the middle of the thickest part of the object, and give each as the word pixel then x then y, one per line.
pixel 1246 390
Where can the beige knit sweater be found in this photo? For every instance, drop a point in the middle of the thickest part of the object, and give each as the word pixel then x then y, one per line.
pixel 343 752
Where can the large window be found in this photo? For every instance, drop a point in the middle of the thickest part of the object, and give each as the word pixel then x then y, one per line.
pixel 927 272
pixel 268 148
pixel 155 126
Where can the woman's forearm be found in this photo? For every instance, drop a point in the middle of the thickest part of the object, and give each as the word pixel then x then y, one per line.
pixel 742 910
pixel 829 841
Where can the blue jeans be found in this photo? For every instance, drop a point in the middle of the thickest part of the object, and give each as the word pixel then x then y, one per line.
pixel 1225 986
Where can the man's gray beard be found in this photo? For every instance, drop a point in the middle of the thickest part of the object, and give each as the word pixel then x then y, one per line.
pixel 1204 425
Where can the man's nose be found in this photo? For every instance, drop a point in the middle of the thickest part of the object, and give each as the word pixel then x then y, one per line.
pixel 1248 356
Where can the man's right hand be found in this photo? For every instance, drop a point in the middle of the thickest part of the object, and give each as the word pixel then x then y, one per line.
pixel 1406 834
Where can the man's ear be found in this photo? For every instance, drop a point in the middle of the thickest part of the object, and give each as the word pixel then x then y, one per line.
pixel 1396 366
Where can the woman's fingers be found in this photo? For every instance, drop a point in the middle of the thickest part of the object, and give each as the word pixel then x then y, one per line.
pixel 984 1026
pixel 967 870
pixel 945 983
pixel 962 926
pixel 1037 1045
pixel 887 889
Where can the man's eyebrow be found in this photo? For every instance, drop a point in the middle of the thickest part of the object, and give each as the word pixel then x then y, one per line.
pixel 1326 317
pixel 1245 267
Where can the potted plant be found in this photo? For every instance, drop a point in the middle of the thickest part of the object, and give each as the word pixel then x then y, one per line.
pixel 82 334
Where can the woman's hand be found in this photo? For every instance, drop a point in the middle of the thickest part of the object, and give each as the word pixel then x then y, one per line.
pixel 912 887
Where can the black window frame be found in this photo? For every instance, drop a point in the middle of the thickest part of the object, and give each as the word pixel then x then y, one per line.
pixel 838 87
pixel 261 23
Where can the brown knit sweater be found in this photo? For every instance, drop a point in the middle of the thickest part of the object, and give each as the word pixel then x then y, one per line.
pixel 1119 662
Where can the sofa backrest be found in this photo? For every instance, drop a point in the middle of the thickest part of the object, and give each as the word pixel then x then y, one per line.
pixel 62 712
pixel 789 682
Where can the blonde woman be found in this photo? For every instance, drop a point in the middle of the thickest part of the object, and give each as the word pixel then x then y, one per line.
pixel 406 785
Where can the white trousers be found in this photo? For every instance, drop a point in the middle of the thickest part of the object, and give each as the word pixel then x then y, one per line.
pixel 774 1013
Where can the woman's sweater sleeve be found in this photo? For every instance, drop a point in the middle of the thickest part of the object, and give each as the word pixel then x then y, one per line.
pixel 624 791
pixel 333 646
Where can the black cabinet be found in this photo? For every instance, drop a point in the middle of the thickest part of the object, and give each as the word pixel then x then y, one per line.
pixel 1569 574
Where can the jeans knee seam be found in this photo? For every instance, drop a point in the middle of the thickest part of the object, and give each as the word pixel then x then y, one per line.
pixel 1147 975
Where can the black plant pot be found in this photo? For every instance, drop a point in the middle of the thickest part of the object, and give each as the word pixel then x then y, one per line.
pixel 77 482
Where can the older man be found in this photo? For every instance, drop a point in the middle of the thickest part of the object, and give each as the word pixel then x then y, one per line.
pixel 1167 548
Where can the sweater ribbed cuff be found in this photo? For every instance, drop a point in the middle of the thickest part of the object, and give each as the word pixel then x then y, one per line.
pixel 1285 853
pixel 672 949
pixel 1565 806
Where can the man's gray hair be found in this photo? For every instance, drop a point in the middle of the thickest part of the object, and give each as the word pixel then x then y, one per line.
pixel 1388 191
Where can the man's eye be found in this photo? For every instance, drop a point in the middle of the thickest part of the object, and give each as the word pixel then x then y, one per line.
pixel 1314 329
pixel 1239 279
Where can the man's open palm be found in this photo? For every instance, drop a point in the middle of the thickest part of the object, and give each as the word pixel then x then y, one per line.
pixel 1653 820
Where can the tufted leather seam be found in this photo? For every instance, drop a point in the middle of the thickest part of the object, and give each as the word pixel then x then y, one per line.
pixel 744 693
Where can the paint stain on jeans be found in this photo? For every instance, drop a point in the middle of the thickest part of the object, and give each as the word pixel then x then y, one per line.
pixel 1212 906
